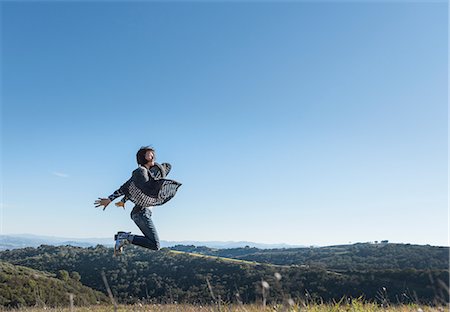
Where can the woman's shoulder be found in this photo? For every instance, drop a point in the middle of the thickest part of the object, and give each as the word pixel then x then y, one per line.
pixel 140 174
pixel 140 170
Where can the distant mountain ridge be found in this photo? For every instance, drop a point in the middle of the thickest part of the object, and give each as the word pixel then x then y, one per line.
pixel 15 241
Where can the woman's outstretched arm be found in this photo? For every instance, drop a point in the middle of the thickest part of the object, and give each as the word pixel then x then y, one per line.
pixel 102 202
pixel 106 201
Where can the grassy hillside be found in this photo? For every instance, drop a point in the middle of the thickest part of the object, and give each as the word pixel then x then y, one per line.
pixel 165 276
pixel 21 286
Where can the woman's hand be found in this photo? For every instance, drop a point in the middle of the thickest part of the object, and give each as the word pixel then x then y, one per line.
pixel 102 202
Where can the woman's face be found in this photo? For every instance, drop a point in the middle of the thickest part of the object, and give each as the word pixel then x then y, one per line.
pixel 150 157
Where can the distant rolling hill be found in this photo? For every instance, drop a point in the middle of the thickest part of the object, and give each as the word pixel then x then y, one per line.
pixel 30 240
pixel 356 257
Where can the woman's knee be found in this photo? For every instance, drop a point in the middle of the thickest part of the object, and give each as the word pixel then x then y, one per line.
pixel 153 244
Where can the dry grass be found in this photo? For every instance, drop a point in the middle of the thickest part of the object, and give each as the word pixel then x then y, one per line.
pixel 225 259
pixel 353 307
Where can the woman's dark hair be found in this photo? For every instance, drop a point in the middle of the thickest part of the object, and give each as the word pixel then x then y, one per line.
pixel 140 155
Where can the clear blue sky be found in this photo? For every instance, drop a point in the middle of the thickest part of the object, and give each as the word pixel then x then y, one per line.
pixel 296 122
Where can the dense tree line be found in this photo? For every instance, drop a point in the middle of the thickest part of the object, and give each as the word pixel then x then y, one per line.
pixel 356 257
pixel 169 276
pixel 21 286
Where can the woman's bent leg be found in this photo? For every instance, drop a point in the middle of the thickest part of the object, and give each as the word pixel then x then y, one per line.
pixel 142 218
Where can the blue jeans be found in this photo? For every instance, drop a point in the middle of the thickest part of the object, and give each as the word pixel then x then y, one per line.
pixel 143 219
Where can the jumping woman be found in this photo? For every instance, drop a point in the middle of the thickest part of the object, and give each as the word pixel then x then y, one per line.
pixel 146 188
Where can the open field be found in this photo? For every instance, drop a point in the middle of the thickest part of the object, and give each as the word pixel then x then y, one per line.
pixel 354 307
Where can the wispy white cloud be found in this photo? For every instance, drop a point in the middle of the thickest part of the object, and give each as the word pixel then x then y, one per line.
pixel 60 174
